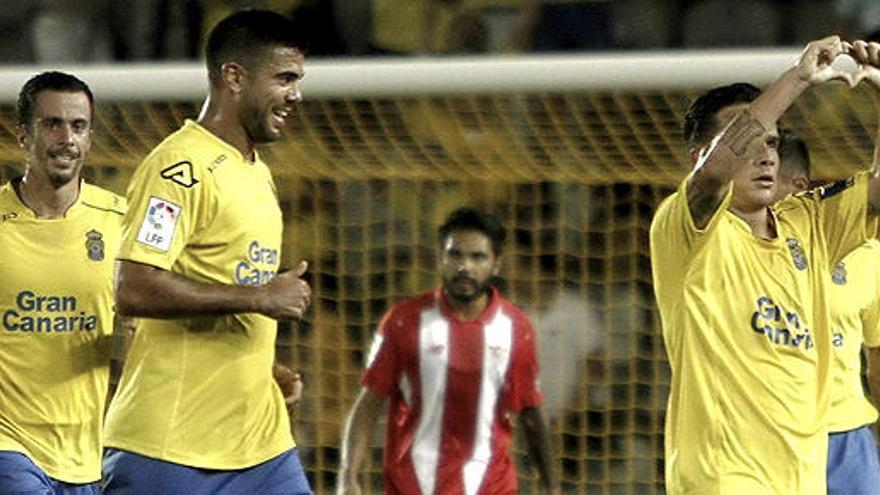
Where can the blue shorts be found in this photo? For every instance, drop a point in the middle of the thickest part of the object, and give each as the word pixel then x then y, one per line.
pixel 20 476
pixel 853 466
pixel 127 473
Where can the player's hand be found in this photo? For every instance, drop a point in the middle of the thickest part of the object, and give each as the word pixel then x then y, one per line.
pixel 288 296
pixel 867 55
pixel 814 64
pixel 291 384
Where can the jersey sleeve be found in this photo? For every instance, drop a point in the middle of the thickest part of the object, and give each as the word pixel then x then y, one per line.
pixel 675 238
pixel 522 389
pixel 843 214
pixel 170 199
pixel 871 313
pixel 384 361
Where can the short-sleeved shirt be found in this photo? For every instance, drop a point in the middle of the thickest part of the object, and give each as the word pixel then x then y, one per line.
pixel 746 327
pixel 56 305
pixel 855 319
pixel 199 391
pixel 451 383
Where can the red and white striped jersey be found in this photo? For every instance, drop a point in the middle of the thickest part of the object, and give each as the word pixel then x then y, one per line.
pixel 451 385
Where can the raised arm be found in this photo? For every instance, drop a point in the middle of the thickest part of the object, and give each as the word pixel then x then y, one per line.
pixel 875 96
pixel 719 162
pixel 356 438
pixel 867 55
pixel 539 454
pixel 146 291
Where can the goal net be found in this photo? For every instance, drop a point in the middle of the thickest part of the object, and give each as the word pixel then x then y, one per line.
pixel 573 154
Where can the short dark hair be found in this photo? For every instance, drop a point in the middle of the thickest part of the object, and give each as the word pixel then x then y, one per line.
pixel 471 219
pixel 794 155
pixel 699 121
pixel 245 36
pixel 48 81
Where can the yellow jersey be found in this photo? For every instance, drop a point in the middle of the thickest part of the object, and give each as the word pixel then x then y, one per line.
pixel 746 328
pixel 855 318
pixel 56 301
pixel 199 391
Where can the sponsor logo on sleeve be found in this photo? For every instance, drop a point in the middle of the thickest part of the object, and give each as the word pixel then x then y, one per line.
pixel 160 221
pixel 180 173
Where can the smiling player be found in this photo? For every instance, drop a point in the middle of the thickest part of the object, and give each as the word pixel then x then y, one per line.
pixel 58 235
pixel 197 410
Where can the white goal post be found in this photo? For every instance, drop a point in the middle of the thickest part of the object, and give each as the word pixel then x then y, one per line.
pixel 366 77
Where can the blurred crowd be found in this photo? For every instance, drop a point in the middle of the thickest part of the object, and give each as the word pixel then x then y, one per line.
pixel 83 31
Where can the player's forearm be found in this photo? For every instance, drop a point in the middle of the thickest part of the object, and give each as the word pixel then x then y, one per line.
pixel 874 181
pixel 539 451
pixel 875 163
pixel 117 347
pixel 356 436
pixel 777 98
pixel 147 291
pixel 720 161
pixel 718 164
pixel 872 359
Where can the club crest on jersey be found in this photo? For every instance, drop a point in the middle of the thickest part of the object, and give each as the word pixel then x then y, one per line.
pixel 798 257
pixel 497 351
pixel 95 245
pixel 180 173
pixel 160 220
pixel 838 274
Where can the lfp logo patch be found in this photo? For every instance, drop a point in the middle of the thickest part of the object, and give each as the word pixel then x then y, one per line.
pixel 160 220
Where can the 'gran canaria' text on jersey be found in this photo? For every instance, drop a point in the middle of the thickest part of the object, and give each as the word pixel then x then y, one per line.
pixel 782 327
pixel 259 267
pixel 46 314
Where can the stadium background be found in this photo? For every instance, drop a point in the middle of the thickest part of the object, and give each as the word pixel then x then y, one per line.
pixel 574 172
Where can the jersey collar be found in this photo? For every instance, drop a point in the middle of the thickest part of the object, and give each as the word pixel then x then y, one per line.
pixel 10 202
pixel 195 126
pixel 741 225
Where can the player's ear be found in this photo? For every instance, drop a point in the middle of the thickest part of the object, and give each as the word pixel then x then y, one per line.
pixel 694 154
pixel 22 136
pixel 233 75
pixel 496 267
pixel 801 183
pixel 441 253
